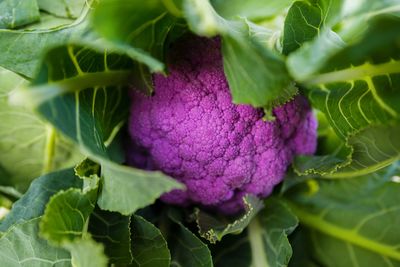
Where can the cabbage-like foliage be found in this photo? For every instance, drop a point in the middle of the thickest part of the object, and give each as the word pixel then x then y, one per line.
pixel 66 72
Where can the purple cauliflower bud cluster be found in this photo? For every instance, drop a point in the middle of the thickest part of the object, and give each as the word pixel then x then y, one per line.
pixel 221 151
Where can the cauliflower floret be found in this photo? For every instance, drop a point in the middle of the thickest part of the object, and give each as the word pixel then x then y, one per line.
pixel 191 130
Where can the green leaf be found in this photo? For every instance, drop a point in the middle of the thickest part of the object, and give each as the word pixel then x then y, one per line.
pixel 28 209
pixel 21 246
pixel 251 9
pixel 352 221
pixel 383 148
pixel 65 224
pixel 368 150
pixel 32 204
pixel 326 165
pixel 302 256
pixel 82 107
pixel 326 19
pixel 267 86
pixel 186 248
pixel 149 247
pixel 28 146
pixel 113 231
pixel 16 13
pixel 302 23
pixel 68 9
pixel 66 215
pixel 268 234
pixel 135 188
pixel 256 74
pixel 278 222
pixel 87 253
pixel 355 86
pixel 48 21
pixel 214 228
pixel 335 61
pixel 35 43
pixel 331 252
pixel 265 242
pixel 233 250
pixel 148 28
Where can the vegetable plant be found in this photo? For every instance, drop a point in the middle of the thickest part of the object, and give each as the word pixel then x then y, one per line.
pixel 199 133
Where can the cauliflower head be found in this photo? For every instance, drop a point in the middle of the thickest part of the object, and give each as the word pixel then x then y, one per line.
pixel 221 151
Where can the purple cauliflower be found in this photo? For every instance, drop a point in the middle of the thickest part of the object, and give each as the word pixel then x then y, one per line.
pixel 221 151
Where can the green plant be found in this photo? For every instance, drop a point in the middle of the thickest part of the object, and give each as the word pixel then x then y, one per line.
pixel 67 71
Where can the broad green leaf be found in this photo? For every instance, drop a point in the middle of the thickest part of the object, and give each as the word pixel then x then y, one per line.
pixel 331 252
pixel 277 221
pixel 308 19
pixel 256 74
pixel 267 86
pixel 65 224
pixel 326 165
pixel 63 8
pixel 186 248
pixel 82 107
pixel 214 228
pixel 28 146
pixel 383 149
pixel 251 9
pixel 149 247
pixel 368 150
pixel 87 253
pixel 66 215
pixel 148 28
pixel 268 233
pixel 16 13
pixel 126 189
pixel 264 243
pixel 336 61
pixel 358 217
pixel 302 23
pixel 21 246
pixel 48 21
pixel 32 204
pixel 35 43
pixel 350 21
pixel 113 231
pixel 312 55
pixel 233 250
pixel 302 256
pixel 356 87
pixel 334 23
pixel 372 149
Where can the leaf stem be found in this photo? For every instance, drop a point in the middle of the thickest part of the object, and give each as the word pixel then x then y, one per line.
pixel 348 235
pixel 36 95
pixel 172 8
pixel 255 233
pixel 50 149
pixel 354 73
